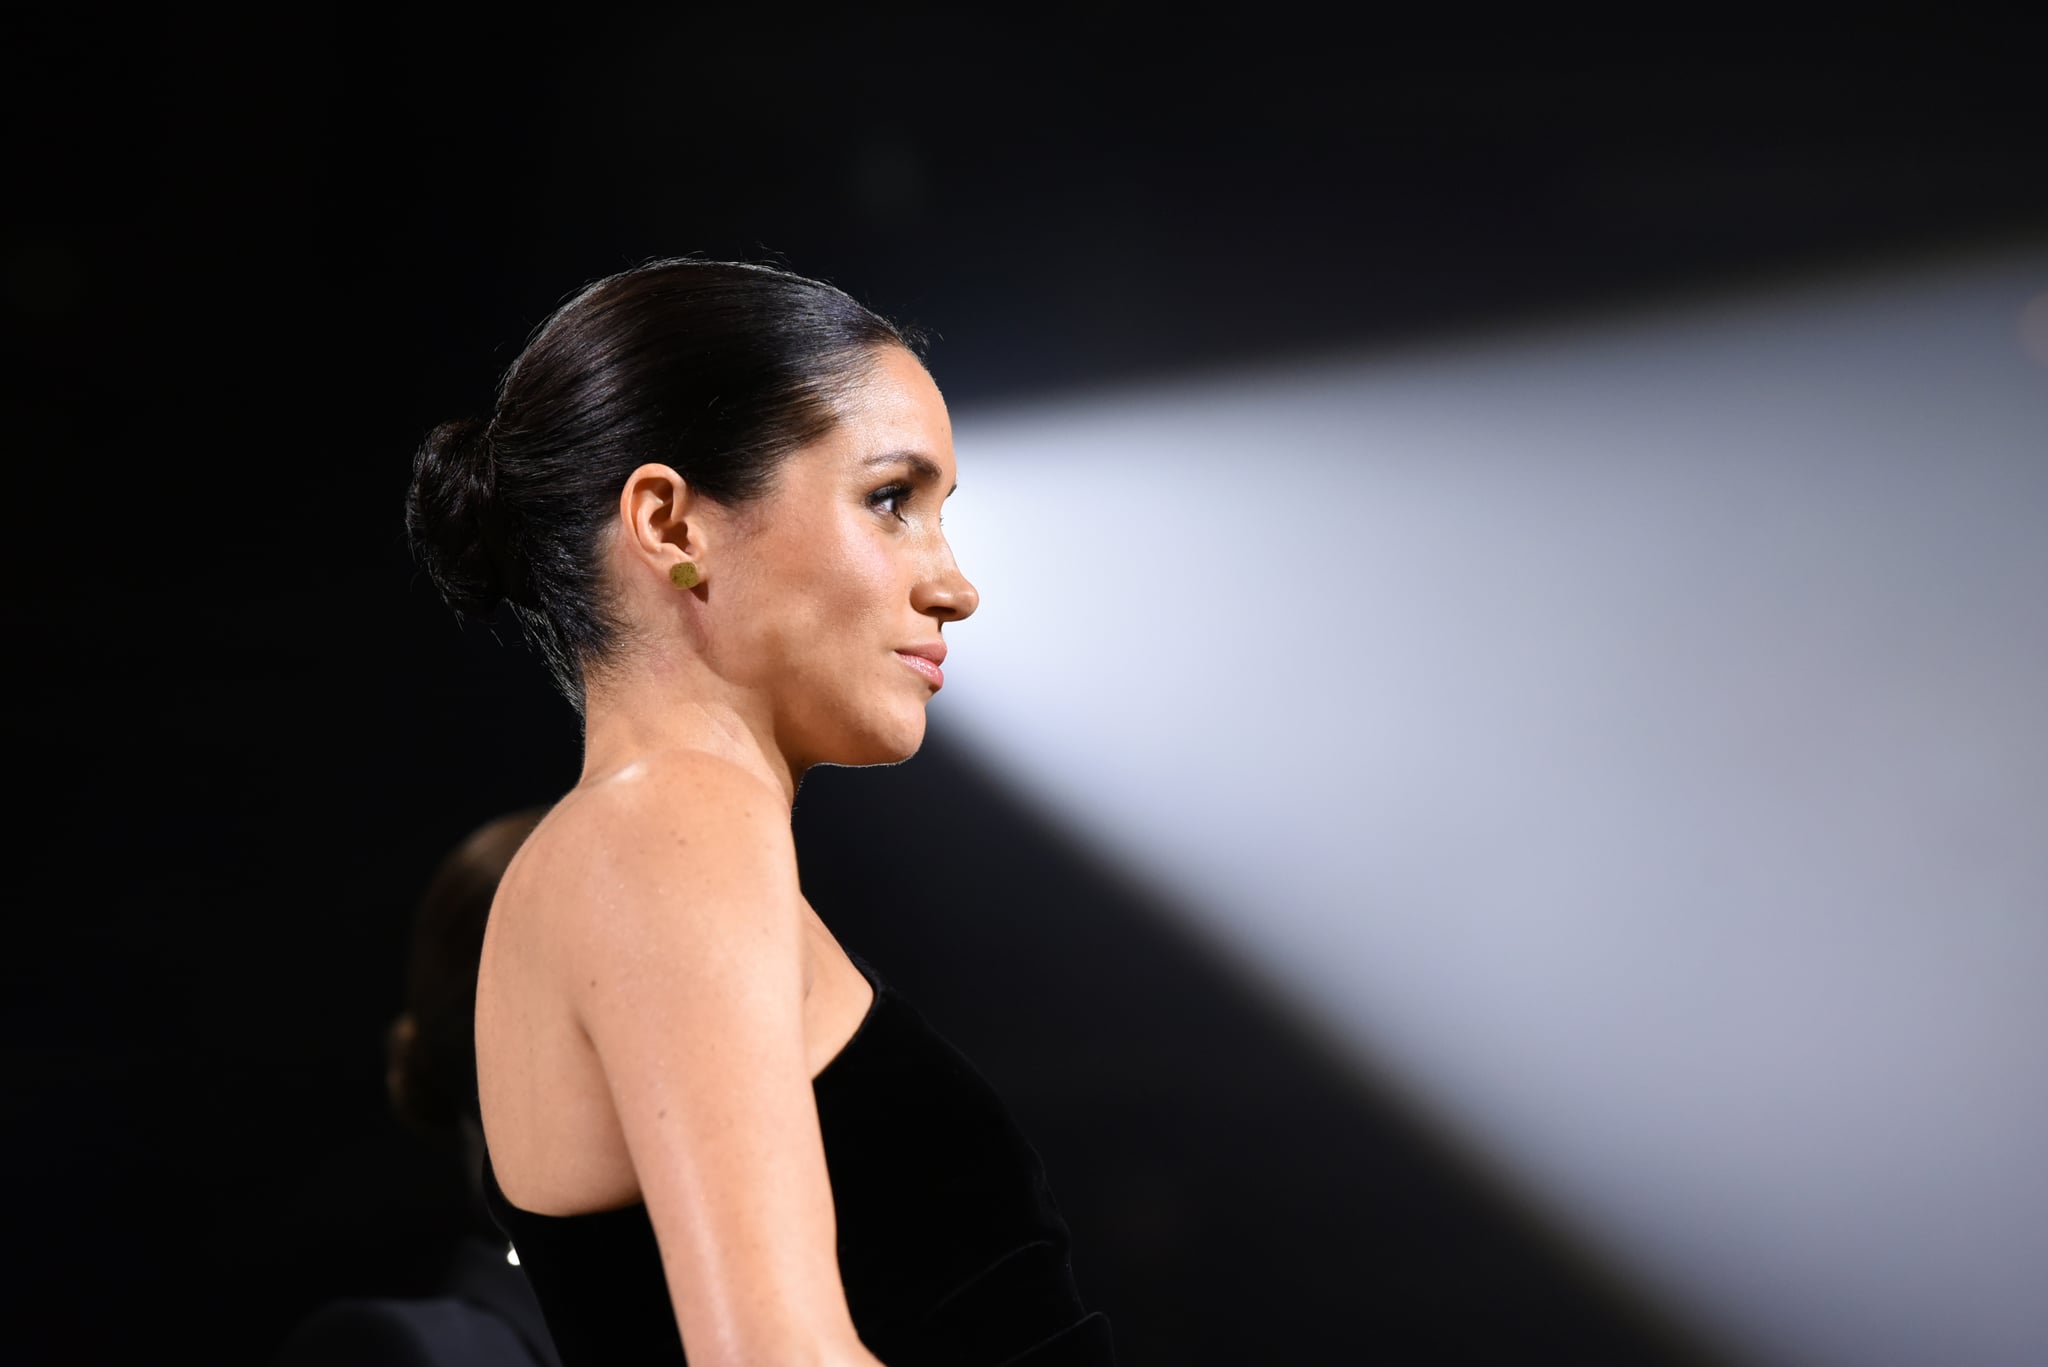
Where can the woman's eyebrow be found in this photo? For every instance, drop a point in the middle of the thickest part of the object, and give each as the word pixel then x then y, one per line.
pixel 921 465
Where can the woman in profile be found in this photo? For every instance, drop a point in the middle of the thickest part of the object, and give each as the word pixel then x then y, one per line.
pixel 711 492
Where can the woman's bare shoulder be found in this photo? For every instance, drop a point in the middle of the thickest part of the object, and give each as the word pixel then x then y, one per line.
pixel 687 980
pixel 660 815
pixel 678 844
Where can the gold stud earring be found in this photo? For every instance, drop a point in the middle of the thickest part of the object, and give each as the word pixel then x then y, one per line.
pixel 684 574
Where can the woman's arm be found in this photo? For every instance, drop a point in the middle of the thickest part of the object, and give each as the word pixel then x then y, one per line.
pixel 686 973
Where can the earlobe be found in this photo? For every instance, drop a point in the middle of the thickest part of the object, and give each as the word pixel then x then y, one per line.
pixel 662 516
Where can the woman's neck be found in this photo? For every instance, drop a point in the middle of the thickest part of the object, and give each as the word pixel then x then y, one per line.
pixel 625 720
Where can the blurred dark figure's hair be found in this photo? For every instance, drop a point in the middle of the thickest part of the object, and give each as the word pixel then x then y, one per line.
pixel 716 368
pixel 433 1043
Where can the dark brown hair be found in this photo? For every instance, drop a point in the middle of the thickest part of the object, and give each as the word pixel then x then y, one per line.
pixel 717 368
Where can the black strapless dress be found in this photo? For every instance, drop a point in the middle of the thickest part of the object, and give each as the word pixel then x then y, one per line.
pixel 953 1251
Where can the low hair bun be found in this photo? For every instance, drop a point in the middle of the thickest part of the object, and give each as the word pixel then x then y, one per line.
pixel 455 519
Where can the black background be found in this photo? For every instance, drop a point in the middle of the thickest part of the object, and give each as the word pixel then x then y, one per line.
pixel 247 263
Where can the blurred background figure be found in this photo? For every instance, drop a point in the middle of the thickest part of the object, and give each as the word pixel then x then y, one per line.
pixel 485 1312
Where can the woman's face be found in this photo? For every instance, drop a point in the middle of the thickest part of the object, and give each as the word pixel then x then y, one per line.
pixel 842 571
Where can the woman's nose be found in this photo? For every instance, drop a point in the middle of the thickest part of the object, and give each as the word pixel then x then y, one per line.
pixel 948 595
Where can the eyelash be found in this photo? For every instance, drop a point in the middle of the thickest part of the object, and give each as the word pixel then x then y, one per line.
pixel 901 493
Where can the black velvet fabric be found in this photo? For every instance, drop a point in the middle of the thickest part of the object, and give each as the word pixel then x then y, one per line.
pixel 484 1315
pixel 953 1251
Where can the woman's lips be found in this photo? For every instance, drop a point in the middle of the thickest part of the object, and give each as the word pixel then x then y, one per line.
pixel 933 675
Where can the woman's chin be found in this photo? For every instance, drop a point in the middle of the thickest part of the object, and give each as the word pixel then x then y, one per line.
pixel 891 745
pixel 909 737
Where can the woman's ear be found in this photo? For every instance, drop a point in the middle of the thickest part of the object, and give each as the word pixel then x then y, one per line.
pixel 663 520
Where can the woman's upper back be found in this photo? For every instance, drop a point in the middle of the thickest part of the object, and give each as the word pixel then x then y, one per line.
pixel 675 1139
pixel 952 1247
pixel 642 1035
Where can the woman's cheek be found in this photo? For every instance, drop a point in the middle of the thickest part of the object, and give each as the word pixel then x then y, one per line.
pixel 869 573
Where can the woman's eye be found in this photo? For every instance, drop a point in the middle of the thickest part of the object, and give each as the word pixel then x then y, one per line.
pixel 890 499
